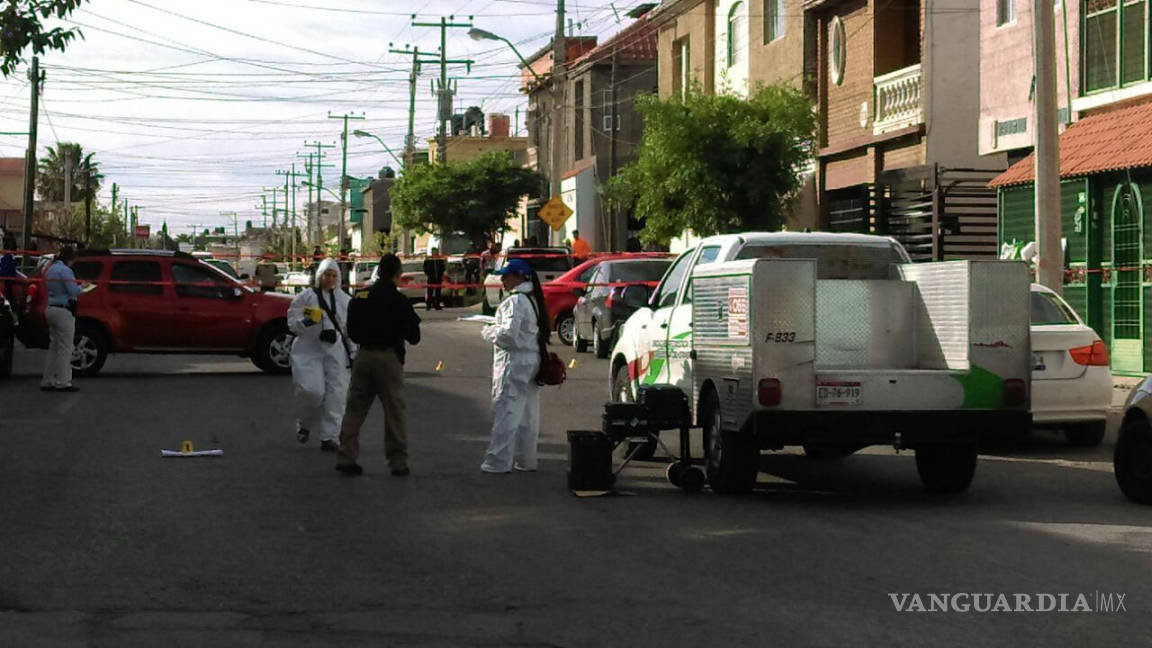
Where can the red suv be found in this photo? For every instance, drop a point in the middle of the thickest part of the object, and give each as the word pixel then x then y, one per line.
pixel 149 301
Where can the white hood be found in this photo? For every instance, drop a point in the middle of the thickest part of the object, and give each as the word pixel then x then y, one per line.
pixel 325 266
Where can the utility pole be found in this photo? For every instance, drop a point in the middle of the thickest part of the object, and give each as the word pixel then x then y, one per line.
pixel 610 235
pixel 444 92
pixel 340 243
pixel 36 78
pixel 559 78
pixel 264 211
pixel 67 181
pixel 88 200
pixel 410 137
pixel 290 185
pixel 1050 266
pixel 308 205
pixel 318 166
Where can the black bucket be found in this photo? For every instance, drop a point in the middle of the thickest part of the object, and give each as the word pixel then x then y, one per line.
pixel 589 461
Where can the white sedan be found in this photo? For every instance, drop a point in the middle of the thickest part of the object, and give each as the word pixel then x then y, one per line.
pixel 1071 378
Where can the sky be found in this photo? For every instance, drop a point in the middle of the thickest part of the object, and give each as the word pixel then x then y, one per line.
pixel 193 107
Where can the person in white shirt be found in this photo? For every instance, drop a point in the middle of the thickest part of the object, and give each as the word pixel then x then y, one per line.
pixel 321 356
pixel 518 339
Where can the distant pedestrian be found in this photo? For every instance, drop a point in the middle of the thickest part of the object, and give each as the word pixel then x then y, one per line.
pixel 580 248
pixel 380 320
pixel 518 338
pixel 435 267
pixel 63 292
pixel 321 356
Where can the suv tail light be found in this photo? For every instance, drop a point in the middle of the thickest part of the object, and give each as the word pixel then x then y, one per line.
pixel 770 392
pixel 1095 355
pixel 1015 392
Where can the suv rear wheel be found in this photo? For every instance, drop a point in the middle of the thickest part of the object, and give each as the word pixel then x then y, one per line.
pixel 89 350
pixel 273 351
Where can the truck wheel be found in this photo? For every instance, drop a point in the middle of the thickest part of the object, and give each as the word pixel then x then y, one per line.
pixel 564 326
pixel 622 393
pixel 732 456
pixel 1133 461
pixel 1086 435
pixel 946 468
pixel 89 351
pixel 599 345
pixel 273 351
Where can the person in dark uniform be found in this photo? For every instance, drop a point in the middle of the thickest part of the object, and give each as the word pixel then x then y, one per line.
pixel 434 268
pixel 380 320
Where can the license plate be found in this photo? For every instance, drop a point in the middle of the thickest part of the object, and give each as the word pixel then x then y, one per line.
pixel 838 393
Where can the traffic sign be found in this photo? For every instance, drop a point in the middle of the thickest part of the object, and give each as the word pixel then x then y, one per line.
pixel 555 213
pixel 143 231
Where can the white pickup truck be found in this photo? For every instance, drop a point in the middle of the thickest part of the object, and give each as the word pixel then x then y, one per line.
pixel 833 342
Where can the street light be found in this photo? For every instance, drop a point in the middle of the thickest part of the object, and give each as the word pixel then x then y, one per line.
pixel 305 183
pixel 360 133
pixel 480 34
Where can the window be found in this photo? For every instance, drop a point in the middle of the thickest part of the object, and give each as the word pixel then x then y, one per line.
pixel 666 293
pixel 1048 310
pixel 1005 12
pixel 737 35
pixel 708 255
pixel 141 271
pixel 596 286
pixel 578 108
pixel 681 64
pixel 774 23
pixel 586 275
pixel 87 270
pixel 837 51
pixel 1115 43
pixel 199 282
pixel 635 271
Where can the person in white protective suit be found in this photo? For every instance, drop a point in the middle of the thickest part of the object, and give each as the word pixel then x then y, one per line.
pixel 518 339
pixel 321 356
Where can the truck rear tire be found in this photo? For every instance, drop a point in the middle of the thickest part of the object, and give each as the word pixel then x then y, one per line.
pixel 1133 461
pixel 946 468
pixel 733 457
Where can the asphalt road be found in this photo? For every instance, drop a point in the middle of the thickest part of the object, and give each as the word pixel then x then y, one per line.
pixel 107 544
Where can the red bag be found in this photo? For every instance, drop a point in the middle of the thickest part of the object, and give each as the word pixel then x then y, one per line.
pixel 552 370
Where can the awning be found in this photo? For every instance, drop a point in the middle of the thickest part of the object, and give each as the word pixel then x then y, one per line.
pixel 1118 139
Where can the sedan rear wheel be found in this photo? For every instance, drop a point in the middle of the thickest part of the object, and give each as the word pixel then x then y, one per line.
pixel 565 325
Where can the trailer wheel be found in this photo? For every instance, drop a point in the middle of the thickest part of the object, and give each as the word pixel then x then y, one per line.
pixel 1132 461
pixel 732 456
pixel 946 468
pixel 673 473
pixel 692 480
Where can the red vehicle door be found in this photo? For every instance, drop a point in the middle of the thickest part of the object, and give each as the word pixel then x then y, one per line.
pixel 213 312
pixel 141 315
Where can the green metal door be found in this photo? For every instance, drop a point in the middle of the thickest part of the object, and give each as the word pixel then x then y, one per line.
pixel 1127 304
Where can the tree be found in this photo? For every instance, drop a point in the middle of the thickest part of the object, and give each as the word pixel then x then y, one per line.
pixel 475 198
pixel 52 169
pixel 714 164
pixel 20 21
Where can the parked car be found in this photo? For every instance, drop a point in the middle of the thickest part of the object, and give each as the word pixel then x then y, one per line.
pixel 1132 461
pixel 559 293
pixel 147 301
pixel 1071 378
pixel 547 262
pixel 615 291
pixel 362 272
pixel 413 281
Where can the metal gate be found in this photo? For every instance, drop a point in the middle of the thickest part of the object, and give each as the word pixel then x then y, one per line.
pixel 1127 303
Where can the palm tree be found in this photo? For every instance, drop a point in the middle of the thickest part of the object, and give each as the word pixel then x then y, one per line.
pixel 50 177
